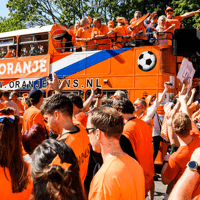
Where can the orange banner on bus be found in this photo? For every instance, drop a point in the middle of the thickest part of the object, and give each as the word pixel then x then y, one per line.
pixel 25 67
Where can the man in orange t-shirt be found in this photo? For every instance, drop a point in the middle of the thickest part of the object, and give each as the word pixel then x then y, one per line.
pixel 33 115
pixel 99 32
pixel 57 112
pixel 120 176
pixel 176 20
pixel 120 30
pixel 84 35
pixel 176 164
pixel 140 136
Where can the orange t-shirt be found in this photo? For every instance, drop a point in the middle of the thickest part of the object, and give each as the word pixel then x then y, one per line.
pixel 32 116
pixel 73 34
pixel 2 105
pixel 192 108
pixel 118 178
pixel 175 20
pixel 86 33
pixel 80 144
pixel 82 117
pixel 178 160
pixel 120 31
pixel 6 188
pixel 140 136
pixel 103 30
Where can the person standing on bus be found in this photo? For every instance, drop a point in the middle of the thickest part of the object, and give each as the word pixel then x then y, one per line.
pixel 84 35
pixel 120 30
pixel 176 20
pixel 141 27
pixel 99 32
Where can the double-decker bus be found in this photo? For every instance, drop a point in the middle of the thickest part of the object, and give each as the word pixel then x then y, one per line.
pixel 29 56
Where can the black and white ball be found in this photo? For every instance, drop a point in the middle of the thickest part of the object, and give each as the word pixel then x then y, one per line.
pixel 146 61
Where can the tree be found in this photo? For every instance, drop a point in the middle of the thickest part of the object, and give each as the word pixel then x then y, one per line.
pixel 182 7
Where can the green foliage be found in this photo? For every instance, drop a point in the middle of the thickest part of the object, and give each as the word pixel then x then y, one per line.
pixel 29 13
pixel 184 6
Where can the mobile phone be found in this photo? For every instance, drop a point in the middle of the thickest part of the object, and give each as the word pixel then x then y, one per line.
pixel 169 84
pixel 98 91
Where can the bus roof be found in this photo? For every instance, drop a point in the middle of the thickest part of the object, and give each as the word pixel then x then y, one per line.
pixel 37 29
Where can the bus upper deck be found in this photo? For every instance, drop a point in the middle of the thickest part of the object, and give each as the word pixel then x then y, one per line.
pixel 140 68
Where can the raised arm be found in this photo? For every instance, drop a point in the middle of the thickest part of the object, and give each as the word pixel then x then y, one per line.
pixel 184 107
pixel 189 102
pixel 190 14
pixel 89 100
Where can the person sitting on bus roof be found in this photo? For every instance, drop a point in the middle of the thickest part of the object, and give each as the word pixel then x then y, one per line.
pixel 99 32
pixel 84 35
pixel 176 19
pixel 120 30
pixel 141 27
pixel 161 28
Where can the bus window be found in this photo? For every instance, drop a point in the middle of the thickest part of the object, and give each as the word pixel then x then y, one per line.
pixel 107 96
pixel 32 45
pixel 8 47
pixel 66 92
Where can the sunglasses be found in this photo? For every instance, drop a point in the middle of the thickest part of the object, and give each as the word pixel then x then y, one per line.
pixel 11 118
pixel 169 10
pixel 87 129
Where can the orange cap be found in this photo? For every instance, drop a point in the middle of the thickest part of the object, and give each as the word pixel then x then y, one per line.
pixel 121 20
pixel 168 8
pixel 111 22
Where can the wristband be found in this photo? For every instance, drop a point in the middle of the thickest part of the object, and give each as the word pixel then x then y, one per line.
pixel 198 100
pixel 195 12
pixel 165 161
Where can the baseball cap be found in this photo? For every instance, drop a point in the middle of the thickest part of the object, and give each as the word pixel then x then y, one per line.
pixel 168 8
pixel 36 94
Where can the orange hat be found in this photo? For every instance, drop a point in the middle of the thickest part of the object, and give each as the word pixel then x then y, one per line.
pixel 168 8
pixel 111 22
pixel 121 20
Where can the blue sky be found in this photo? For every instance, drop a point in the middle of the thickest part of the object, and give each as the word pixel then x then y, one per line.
pixel 3 10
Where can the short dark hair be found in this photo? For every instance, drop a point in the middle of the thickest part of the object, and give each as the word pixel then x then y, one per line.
pixel 76 100
pixel 108 120
pixel 6 94
pixel 181 124
pixel 15 93
pixel 57 102
pixel 124 105
pixel 143 102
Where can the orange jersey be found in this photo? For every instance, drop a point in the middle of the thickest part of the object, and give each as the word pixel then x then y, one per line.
pixel 73 34
pixel 177 22
pixel 120 31
pixel 82 117
pixel 2 105
pixel 80 144
pixel 6 188
pixel 178 160
pixel 140 136
pixel 103 30
pixel 192 108
pixel 118 178
pixel 86 33
pixel 32 116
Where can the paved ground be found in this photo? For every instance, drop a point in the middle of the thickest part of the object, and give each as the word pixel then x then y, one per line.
pixel 160 189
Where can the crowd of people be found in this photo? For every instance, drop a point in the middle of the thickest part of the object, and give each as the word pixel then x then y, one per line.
pixel 61 148
pixel 156 30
